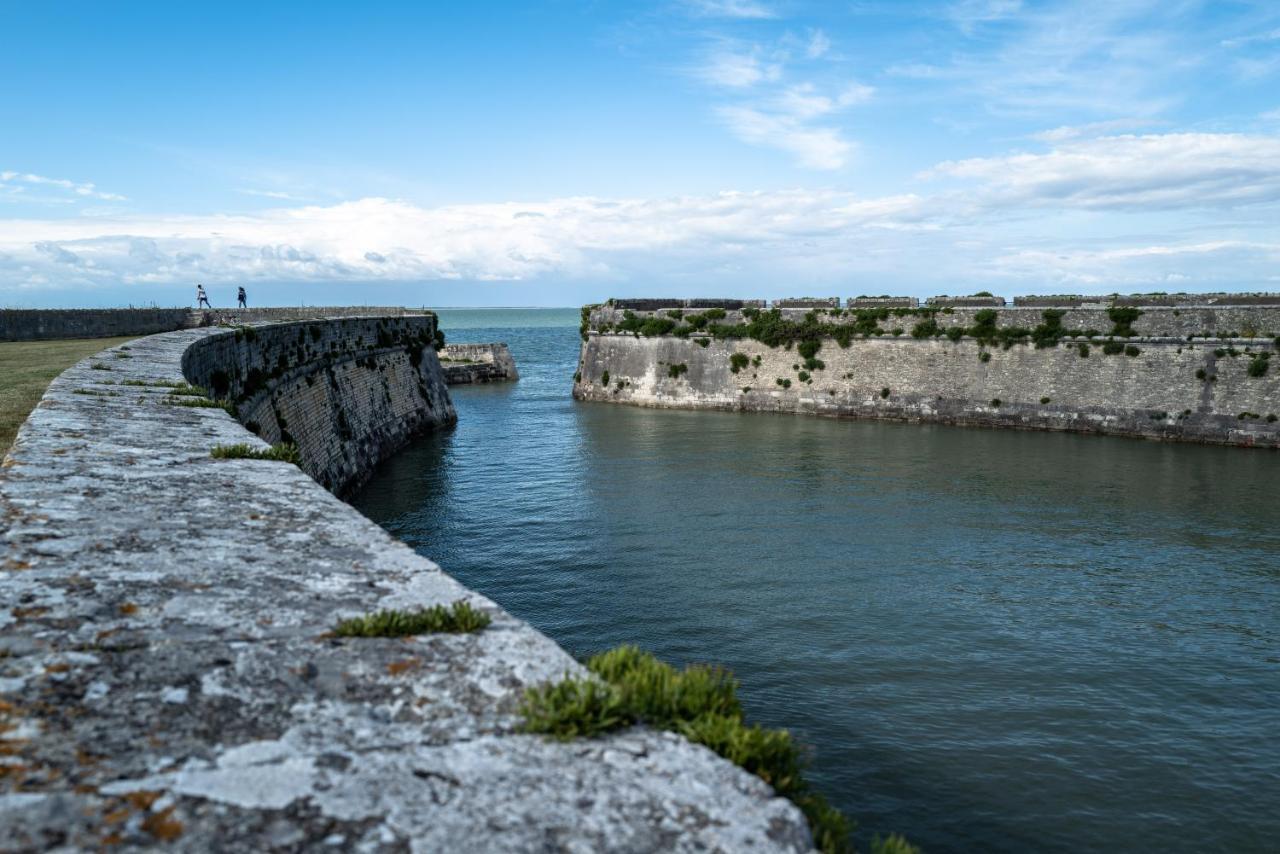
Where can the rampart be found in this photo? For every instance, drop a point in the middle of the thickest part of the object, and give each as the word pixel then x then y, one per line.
pixel 467 364
pixel 1189 373
pixel 168 670
pixel 17 324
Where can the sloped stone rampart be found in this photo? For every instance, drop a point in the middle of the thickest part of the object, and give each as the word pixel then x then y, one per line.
pixel 1171 390
pixel 167 672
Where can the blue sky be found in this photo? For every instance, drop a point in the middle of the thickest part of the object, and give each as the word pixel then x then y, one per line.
pixel 556 153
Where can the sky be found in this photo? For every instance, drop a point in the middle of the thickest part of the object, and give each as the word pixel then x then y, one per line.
pixel 556 153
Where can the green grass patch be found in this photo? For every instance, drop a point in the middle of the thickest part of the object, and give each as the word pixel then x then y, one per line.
pixel 199 403
pixel 285 453
pixel 675 371
pixel 458 618
pixel 27 368
pixel 698 702
pixel 738 361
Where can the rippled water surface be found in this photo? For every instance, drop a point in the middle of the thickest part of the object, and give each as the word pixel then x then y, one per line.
pixel 994 641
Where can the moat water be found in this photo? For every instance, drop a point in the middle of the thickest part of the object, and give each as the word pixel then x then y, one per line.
pixel 993 641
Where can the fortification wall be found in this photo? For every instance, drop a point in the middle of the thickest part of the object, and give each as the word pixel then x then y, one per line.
pixel 1158 321
pixel 467 364
pixel 168 673
pixel 1157 393
pixel 44 324
pixel 20 324
pixel 349 393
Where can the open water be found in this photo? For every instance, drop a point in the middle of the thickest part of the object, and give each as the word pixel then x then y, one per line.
pixel 993 641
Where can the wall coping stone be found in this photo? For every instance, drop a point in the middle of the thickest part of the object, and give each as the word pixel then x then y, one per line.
pixel 167 673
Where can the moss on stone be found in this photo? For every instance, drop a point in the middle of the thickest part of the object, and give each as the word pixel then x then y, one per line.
pixel 458 618
pixel 286 453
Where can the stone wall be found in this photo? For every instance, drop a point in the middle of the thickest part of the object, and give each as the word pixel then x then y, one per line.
pixel 467 364
pixel 349 393
pixel 43 324
pixel 1156 394
pixel 1159 321
pixel 168 673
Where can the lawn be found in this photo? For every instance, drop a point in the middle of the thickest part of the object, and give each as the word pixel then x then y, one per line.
pixel 27 368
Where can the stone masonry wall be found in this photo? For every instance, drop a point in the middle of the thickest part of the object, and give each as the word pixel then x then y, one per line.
pixel 1157 321
pixel 349 393
pixel 1156 394
pixel 168 675
pixel 466 364
pixel 44 324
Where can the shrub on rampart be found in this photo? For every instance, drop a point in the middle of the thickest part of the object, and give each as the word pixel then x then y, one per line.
pixel 698 702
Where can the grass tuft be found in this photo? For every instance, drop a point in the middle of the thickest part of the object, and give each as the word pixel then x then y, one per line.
pixel 457 618
pixel 285 453
pixel 200 403
pixel 700 703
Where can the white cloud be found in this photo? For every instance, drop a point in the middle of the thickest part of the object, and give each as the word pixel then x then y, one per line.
pixel 1067 132
pixel 1178 265
pixel 818 46
pixel 736 70
pixel 267 194
pixel 1149 172
pixel 1022 221
pixel 82 189
pixel 1271 36
pixel 813 147
pixel 968 14
pixel 749 9
pixel 1122 57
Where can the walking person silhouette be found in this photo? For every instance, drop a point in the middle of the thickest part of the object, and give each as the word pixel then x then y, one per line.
pixel 202 299
pixel 242 298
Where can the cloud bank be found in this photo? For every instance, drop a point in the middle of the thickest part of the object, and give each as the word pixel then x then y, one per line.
pixel 1037 220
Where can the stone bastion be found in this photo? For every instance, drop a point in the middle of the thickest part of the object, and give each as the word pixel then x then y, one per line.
pixel 1194 373
pixel 167 667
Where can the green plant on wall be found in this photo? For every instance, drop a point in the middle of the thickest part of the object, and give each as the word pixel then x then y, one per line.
pixel 675 371
pixel 738 361
pixel 699 702
pixel 1123 317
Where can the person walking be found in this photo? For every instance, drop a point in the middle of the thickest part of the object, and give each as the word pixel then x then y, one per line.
pixel 242 298
pixel 202 299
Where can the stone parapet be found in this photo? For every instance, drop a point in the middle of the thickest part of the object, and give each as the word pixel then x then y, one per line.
pixel 51 323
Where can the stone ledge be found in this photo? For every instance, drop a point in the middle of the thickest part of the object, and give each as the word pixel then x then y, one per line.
pixel 166 671
pixel 468 364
